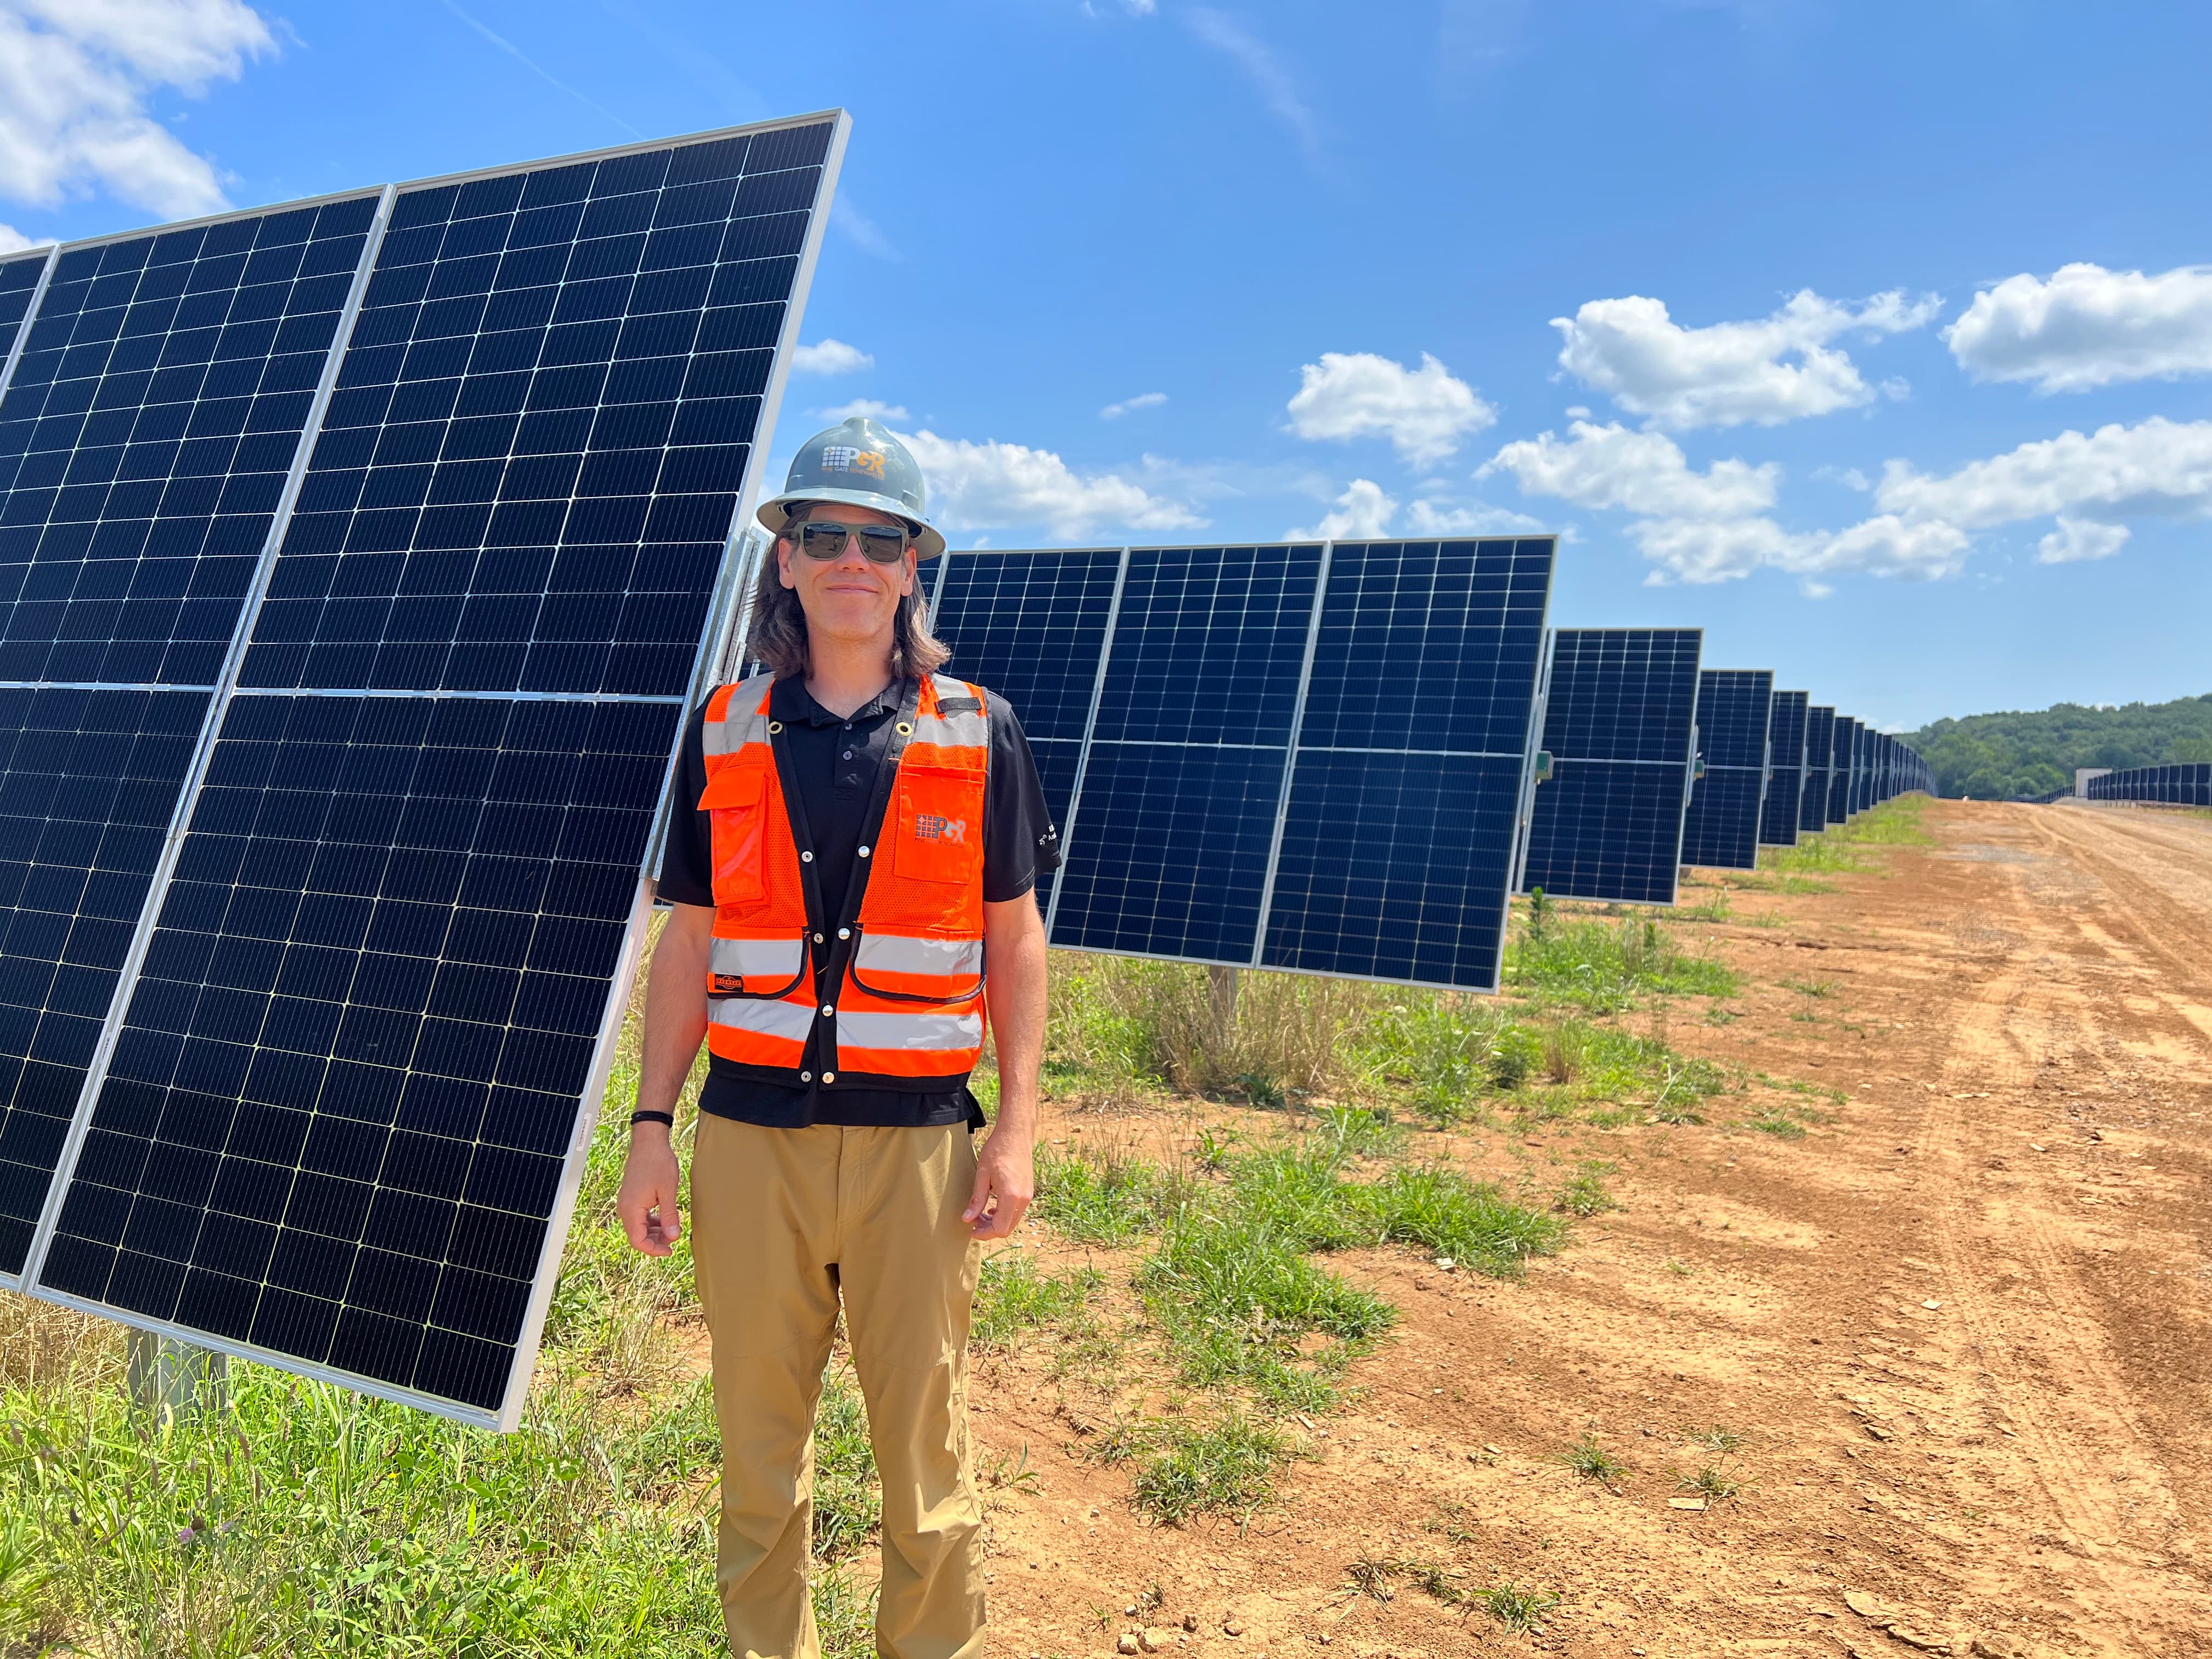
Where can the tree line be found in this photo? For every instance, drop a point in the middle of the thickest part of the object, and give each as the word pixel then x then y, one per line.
pixel 1999 756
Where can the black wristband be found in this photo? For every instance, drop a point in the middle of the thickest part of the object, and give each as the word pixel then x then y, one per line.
pixel 669 1118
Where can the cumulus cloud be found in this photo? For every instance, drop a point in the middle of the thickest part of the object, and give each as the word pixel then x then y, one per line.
pixel 1130 405
pixel 980 486
pixel 1645 472
pixel 2087 326
pixel 1423 412
pixel 1363 513
pixel 13 241
pixel 830 357
pixel 2158 468
pixel 1781 367
pixel 2076 539
pixel 867 406
pixel 1434 518
pixel 76 76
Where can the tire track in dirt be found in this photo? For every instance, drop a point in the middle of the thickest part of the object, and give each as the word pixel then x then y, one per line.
pixel 2053 1377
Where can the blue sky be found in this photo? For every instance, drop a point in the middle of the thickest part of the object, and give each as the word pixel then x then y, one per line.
pixel 1871 337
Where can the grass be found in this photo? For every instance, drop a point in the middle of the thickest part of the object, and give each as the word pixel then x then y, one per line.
pixel 1592 1462
pixel 1853 847
pixel 1112 1197
pixel 1515 1608
pixel 1181 1470
pixel 1013 1297
pixel 1585 1193
pixel 1606 969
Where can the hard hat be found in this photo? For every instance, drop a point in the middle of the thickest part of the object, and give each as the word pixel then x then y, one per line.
pixel 858 464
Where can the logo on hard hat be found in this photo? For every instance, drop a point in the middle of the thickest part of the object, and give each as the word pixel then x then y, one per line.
pixel 843 458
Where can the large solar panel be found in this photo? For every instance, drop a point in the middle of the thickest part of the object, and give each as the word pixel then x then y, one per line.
pixel 1720 831
pixel 1293 755
pixel 1620 723
pixel 1785 781
pixel 1820 752
pixel 336 1117
pixel 19 279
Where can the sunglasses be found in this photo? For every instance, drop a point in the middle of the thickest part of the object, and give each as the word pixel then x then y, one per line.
pixel 883 543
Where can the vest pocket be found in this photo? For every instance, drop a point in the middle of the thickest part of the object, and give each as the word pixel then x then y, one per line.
pixel 938 835
pixel 736 797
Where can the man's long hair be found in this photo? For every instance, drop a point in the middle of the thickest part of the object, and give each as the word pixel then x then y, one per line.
pixel 777 639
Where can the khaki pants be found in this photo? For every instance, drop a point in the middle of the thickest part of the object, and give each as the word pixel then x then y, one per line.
pixel 784 1223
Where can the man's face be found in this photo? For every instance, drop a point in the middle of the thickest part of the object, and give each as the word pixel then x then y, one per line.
pixel 850 596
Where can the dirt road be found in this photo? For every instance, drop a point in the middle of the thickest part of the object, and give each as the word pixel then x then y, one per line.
pixel 1962 1328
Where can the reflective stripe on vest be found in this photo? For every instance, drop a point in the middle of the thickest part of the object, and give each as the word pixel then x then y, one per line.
pixel 908 1006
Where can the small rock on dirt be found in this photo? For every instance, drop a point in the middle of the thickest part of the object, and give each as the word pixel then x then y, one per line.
pixel 1862 1604
pixel 1151 1641
pixel 1230 1627
pixel 1913 1639
pixel 1190 1621
pixel 1126 1645
pixel 1932 1304
pixel 1686 1503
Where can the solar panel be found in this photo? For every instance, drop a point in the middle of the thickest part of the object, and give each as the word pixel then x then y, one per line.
pixel 1033 627
pixel 20 279
pixel 152 418
pixel 1720 831
pixel 1292 756
pixel 1844 757
pixel 1819 754
pixel 1785 782
pixel 339 1116
pixel 1620 723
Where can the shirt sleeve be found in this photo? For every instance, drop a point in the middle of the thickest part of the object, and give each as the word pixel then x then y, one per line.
pixel 687 861
pixel 1020 840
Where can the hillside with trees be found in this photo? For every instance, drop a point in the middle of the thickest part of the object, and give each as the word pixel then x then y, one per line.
pixel 2001 756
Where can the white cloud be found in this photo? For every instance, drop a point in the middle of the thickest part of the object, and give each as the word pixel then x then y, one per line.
pixel 830 357
pixel 1277 87
pixel 74 79
pixel 859 230
pixel 2159 468
pixel 1778 368
pixel 2087 326
pixel 1353 394
pixel 1429 518
pixel 2081 538
pixel 867 406
pixel 1714 550
pixel 1363 513
pixel 13 241
pixel 1644 472
pixel 1130 405
pixel 992 485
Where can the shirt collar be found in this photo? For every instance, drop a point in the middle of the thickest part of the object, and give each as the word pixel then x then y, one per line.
pixel 789 700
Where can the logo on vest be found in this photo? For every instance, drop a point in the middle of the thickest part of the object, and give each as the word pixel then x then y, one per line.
pixel 929 826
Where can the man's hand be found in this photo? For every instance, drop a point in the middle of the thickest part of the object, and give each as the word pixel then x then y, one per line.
pixel 1005 1182
pixel 646 1203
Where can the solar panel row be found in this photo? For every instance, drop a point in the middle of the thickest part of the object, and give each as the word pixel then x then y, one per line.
pixel 2183 784
pixel 1306 756
pixel 1819 762
pixel 361 556
pixel 1785 782
pixel 1734 708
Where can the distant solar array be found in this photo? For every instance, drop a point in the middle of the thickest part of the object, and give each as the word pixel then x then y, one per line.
pixel 358 557
pixel 1785 779
pixel 2180 784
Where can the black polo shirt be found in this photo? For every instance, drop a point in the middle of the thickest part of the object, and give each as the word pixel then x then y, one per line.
pixel 836 761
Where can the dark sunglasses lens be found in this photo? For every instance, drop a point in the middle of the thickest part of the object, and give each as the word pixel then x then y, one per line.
pixel 827 541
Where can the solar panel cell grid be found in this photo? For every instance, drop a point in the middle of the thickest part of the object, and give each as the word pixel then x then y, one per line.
pixel 146 435
pixel 19 280
pixel 528 473
pixel 1618 723
pixel 1820 746
pixel 1785 782
pixel 88 782
pixel 365 1018
pixel 1721 830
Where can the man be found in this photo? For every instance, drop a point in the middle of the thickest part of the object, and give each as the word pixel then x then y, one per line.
pixel 851 896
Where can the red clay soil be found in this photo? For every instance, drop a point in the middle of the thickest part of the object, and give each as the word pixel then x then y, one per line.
pixel 1960 1327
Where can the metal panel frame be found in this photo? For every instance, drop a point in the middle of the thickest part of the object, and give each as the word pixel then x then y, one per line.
pixel 1291 754
pixel 1090 726
pixel 188 789
pixel 30 315
pixel 705 659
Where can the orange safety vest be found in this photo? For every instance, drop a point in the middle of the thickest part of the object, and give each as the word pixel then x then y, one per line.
pixel 904 1005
